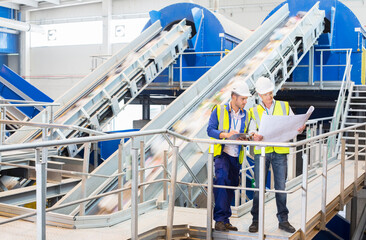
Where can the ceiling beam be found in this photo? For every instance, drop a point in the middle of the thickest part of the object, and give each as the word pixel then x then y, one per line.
pixel 30 3
pixel 57 2
pixel 21 26
pixel 9 5
pixel 47 5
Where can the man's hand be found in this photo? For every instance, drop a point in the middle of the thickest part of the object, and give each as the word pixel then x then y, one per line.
pixel 301 129
pixel 257 137
pixel 232 132
pixel 227 135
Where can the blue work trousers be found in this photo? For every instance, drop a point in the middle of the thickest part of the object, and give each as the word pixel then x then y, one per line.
pixel 279 166
pixel 227 170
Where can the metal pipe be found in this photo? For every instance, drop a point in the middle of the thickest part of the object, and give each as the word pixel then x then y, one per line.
pixel 2 132
pixel 67 171
pixel 142 171
pixel 120 178
pixel 243 176
pixel 78 201
pixel 364 181
pixel 25 101
pixel 171 75
pixel 321 70
pixel 311 66
pixel 194 177
pixel 356 165
pixel 41 187
pixel 169 228
pixel 165 175
pixel 20 26
pixel 162 131
pixel 83 179
pixel 209 195
pixel 343 157
pixel 190 199
pixel 52 120
pixel 353 219
pixel 324 188
pixel 134 195
pixel 262 185
pixel 180 72
pixel 320 146
pixel 79 140
pixel 304 194
pixel 71 127
pixel 28 105
pixel 41 177
pixel 237 197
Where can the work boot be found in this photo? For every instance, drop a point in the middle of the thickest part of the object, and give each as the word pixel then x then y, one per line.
pixel 253 228
pixel 230 227
pixel 286 226
pixel 220 226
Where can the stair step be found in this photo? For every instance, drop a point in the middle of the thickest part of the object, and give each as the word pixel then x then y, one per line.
pixel 356 110
pixel 351 103
pixel 360 155
pixel 358 97
pixel 351 123
pixel 353 145
pixel 357 130
pixel 353 138
pixel 359 117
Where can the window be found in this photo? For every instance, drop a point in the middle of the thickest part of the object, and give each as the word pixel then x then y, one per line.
pixel 125 30
pixel 69 34
pixel 91 32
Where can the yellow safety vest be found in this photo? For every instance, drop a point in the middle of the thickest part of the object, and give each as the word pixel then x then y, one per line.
pixel 223 119
pixel 280 108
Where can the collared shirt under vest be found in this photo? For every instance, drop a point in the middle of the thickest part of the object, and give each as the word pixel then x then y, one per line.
pixel 281 108
pixel 224 125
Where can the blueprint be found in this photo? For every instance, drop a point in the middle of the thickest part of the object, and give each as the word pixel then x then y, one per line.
pixel 282 128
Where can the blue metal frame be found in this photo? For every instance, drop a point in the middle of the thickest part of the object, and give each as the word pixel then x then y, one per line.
pixel 9 42
pixel 13 86
pixel 342 35
pixel 207 38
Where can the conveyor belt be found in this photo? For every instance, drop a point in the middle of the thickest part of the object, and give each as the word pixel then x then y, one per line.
pixel 99 97
pixel 278 59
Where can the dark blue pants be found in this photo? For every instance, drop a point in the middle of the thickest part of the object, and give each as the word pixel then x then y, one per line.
pixel 227 170
pixel 279 166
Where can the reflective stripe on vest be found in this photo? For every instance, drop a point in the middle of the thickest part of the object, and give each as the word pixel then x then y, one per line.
pixel 223 118
pixel 280 108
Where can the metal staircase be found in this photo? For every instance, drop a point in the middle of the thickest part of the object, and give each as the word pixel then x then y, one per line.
pixel 356 114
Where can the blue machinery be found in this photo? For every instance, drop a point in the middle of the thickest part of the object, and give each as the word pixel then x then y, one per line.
pixel 152 59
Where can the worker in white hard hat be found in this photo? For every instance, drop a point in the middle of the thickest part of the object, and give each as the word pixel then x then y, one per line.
pixel 275 156
pixel 225 121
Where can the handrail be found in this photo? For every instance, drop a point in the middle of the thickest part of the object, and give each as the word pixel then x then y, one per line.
pixel 340 109
pixel 348 86
pixel 52 125
pixel 171 179
pixel 115 136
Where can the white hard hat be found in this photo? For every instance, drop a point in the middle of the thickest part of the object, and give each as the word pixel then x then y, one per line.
pixel 264 85
pixel 241 88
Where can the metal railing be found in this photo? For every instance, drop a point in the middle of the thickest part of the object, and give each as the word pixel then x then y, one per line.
pixel 219 54
pixel 341 109
pixel 48 114
pixel 41 163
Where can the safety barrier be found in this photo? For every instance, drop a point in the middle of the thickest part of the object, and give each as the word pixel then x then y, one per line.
pixel 171 177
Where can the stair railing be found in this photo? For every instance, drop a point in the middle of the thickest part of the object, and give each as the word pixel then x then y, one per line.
pixel 342 106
